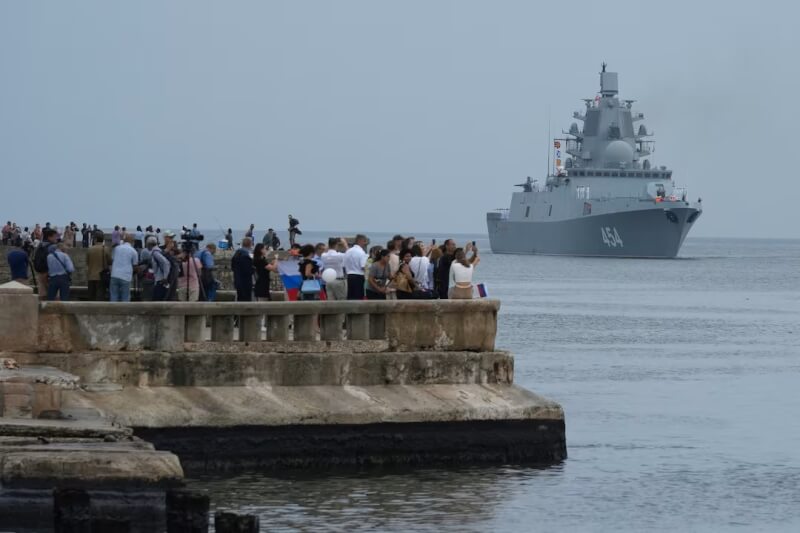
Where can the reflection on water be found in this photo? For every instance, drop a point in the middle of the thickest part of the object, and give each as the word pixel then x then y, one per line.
pixel 679 380
pixel 425 499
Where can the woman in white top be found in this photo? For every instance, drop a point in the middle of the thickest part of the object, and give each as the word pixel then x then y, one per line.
pixel 419 268
pixel 461 271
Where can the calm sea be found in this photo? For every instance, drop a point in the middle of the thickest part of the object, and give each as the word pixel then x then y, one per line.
pixel 681 385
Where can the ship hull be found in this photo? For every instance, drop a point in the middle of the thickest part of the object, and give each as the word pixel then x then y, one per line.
pixel 648 233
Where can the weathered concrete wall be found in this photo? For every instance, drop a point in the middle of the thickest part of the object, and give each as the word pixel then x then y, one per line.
pixel 215 369
pixel 438 325
pixel 19 318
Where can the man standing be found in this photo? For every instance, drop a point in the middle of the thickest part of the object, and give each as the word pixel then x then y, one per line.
pixel 443 272
pixel 242 267
pixel 18 263
pixel 85 234
pixel 355 260
pixel 207 274
pixel 161 268
pixel 116 236
pixel 123 261
pixel 49 238
pixel 269 236
pixel 334 259
pixel 98 259
pixel 59 269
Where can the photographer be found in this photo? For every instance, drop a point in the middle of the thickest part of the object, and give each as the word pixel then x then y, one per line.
pixel 294 230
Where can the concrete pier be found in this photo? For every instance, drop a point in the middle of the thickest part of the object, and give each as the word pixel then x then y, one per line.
pixel 231 386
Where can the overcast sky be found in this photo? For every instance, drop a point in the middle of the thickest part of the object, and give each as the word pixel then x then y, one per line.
pixel 386 116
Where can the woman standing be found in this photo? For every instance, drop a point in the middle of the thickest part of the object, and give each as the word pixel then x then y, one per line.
pixel 262 268
pixel 310 272
pixel 461 272
pixel 189 277
pixel 404 280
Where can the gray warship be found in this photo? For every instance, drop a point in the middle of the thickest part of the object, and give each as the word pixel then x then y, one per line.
pixel 601 198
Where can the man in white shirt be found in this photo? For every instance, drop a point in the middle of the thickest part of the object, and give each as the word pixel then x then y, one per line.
pixel 124 259
pixel 334 258
pixel 355 261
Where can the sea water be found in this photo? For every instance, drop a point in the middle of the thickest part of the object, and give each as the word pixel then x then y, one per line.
pixel 680 380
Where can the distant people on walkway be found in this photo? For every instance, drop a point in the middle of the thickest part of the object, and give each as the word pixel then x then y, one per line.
pixel 18 264
pixel 98 272
pixel 443 268
pixel 379 277
pixel 162 269
pixel 309 271
pixel 355 261
pixel 116 236
pixel 40 265
pixel 189 277
pixel 138 238
pixel 229 238
pixel 124 260
pixel 59 273
pixel 208 280
pixel 262 268
pixel 333 258
pixel 294 230
pixel 403 279
pixel 242 267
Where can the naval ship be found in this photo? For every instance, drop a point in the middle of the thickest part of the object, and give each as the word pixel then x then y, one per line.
pixel 603 197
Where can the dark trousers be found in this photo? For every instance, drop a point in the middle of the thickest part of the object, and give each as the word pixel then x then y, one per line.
pixel 58 285
pixel 372 295
pixel 244 294
pixel 160 292
pixel 97 292
pixel 355 287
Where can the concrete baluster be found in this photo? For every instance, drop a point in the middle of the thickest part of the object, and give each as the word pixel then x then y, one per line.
pixel 377 326
pixel 331 327
pixel 358 326
pixel 195 328
pixel 222 328
pixel 250 328
pixel 278 327
pixel 305 327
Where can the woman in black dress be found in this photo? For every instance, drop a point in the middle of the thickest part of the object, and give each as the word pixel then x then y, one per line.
pixel 309 270
pixel 262 268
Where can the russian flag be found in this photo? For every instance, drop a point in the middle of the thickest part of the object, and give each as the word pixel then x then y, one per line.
pixel 289 270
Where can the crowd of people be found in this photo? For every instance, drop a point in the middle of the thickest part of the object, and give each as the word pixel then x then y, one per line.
pixel 167 267
pixel 162 265
pixel 403 269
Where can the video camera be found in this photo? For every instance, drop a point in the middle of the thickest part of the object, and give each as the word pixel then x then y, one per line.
pixel 190 239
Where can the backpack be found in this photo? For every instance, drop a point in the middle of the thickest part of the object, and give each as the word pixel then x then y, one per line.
pixel 174 269
pixel 40 259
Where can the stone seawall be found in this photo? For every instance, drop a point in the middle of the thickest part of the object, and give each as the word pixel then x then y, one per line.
pixel 293 384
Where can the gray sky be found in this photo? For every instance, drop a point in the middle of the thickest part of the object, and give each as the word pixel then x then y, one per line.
pixel 409 116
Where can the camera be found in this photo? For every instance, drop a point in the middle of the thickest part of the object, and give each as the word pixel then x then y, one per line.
pixel 190 239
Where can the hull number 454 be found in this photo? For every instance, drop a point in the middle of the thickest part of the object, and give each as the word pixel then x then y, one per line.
pixel 611 237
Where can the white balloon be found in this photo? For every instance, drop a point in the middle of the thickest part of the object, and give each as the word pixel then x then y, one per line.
pixel 328 275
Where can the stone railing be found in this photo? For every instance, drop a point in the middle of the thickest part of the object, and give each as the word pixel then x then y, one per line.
pixel 374 326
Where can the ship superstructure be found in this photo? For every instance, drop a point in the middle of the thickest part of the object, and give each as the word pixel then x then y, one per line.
pixel 602 198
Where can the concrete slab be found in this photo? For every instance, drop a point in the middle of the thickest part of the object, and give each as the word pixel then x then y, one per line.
pixel 220 407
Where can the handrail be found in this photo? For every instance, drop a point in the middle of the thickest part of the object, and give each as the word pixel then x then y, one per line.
pixel 267 308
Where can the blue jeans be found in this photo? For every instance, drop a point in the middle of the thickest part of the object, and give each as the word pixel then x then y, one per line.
pixel 211 291
pixel 58 285
pixel 120 290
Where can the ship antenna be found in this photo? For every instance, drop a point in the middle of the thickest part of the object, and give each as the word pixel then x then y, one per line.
pixel 547 173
